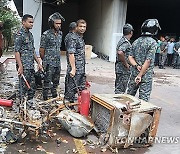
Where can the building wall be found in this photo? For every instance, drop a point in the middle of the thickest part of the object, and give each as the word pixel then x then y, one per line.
pixel 35 9
pixel 105 20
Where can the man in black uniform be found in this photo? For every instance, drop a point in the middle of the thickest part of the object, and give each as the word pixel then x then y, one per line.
pixel 50 54
pixel 25 55
pixel 142 57
pixel 75 47
pixel 122 67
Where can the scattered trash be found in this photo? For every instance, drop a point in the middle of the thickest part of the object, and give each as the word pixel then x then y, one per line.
pixel 21 151
pixel 49 152
pixel 92 146
pixel 3 148
pixel 7 136
pixel 40 148
pixel 23 135
pixel 133 149
pixel 1 112
pixel 76 124
pixel 103 150
pixel 74 151
pixel 44 142
pixel 65 141
pixel 21 143
pixel 92 139
pixel 59 140
pixel 5 102
pixel 93 55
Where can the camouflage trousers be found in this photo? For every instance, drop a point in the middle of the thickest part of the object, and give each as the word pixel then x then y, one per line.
pixel 23 89
pixel 121 83
pixel 162 59
pixel 71 85
pixel 176 61
pixel 51 81
pixel 145 88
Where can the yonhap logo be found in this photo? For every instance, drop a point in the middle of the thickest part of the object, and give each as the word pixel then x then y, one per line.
pixel 146 140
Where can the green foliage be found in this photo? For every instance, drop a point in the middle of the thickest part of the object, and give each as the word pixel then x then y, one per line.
pixel 9 19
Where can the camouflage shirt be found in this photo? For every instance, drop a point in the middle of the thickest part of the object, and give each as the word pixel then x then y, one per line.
pixel 24 44
pixel 75 45
pixel 143 49
pixel 177 45
pixel 125 46
pixel 51 44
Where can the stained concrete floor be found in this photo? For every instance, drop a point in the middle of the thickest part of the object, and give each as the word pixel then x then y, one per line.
pixel 165 93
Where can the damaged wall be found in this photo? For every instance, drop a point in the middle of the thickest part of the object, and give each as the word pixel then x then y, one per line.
pixel 105 20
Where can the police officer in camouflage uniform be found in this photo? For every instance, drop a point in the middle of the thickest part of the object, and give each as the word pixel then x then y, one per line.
pixel 75 46
pixel 163 53
pixel 122 67
pixel 142 59
pixel 25 55
pixel 50 54
pixel 176 59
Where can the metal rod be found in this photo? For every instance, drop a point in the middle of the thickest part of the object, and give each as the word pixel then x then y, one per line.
pixel 20 89
pixel 27 84
pixel 18 122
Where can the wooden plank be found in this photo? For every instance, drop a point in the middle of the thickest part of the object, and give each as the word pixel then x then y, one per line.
pixel 154 127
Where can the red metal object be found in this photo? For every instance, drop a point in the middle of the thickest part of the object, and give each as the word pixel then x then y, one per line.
pixel 4 102
pixel 84 102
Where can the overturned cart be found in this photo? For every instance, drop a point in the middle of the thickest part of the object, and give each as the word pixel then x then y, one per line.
pixel 123 120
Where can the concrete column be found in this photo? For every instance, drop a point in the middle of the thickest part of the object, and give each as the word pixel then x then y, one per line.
pixel 34 7
pixel 119 8
pixel 105 21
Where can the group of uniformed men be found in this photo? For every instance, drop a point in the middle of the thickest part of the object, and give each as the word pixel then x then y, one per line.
pixel 134 63
pixel 133 67
pixel 50 45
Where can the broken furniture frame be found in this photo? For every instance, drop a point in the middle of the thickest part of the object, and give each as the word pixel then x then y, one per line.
pixel 35 125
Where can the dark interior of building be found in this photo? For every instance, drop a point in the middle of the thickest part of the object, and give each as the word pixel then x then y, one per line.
pixel 69 10
pixel 166 11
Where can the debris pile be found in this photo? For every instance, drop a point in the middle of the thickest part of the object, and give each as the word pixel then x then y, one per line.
pixel 119 121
